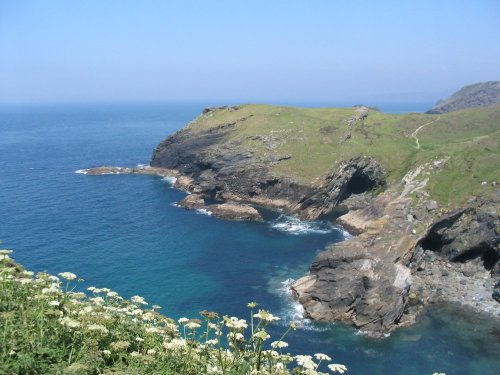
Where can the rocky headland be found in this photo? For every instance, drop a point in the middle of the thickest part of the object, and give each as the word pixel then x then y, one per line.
pixel 425 218
pixel 477 95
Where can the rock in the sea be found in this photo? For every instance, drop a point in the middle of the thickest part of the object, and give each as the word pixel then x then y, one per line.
pixel 231 211
pixel 192 202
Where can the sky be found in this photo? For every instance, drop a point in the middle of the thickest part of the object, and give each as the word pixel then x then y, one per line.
pixel 247 51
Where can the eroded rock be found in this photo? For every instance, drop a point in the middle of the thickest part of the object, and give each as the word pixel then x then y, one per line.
pixel 231 211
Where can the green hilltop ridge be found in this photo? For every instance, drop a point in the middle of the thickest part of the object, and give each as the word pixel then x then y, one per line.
pixel 311 140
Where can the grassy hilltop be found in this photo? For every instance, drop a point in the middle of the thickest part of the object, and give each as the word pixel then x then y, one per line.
pixel 313 139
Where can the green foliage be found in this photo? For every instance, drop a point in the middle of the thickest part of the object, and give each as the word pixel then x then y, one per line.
pixel 313 138
pixel 47 327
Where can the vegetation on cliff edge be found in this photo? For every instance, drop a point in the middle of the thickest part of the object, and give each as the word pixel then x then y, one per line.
pixel 47 326
pixel 313 139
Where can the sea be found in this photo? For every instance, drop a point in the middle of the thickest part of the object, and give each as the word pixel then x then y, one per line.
pixel 125 232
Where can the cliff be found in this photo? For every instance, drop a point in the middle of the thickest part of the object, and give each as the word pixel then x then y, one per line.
pixel 472 96
pixel 419 190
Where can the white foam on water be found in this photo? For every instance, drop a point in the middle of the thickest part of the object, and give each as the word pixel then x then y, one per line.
pixel 360 332
pixel 170 179
pixel 294 312
pixel 345 233
pixel 293 225
pixel 203 211
pixel 175 204
pixel 81 171
pixel 142 166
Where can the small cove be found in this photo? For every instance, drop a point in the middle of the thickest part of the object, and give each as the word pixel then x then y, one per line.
pixel 124 232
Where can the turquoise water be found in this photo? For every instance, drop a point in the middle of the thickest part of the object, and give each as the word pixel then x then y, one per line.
pixel 124 232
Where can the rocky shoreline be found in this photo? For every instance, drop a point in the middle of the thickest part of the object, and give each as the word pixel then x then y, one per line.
pixel 386 275
pixel 415 242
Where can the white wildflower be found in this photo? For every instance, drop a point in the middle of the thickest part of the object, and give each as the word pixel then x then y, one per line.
pixel 212 342
pixel 153 330
pixel 193 325
pixel 262 335
pixel 234 322
pixel 175 344
pixel 106 352
pixel 266 315
pixel 138 299
pixel 70 323
pixel 335 367
pixel 54 303
pixel 322 357
pixel 183 320
pixel 279 344
pixel 97 327
pixel 306 362
pixel 67 275
pixel 97 300
pixel 151 351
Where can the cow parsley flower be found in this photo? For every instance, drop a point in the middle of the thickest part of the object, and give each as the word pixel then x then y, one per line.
pixel 335 367
pixel 322 357
pixel 67 276
pixel 279 344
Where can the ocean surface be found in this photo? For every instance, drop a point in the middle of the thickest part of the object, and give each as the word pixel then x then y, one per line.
pixel 125 233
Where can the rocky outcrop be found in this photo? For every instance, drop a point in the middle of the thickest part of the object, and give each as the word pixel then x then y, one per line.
pixel 227 171
pixel 383 278
pixel 407 253
pixel 465 235
pixel 232 211
pixel 472 96
pixel 192 202
pixel 348 178
pixel 364 281
pixel 227 211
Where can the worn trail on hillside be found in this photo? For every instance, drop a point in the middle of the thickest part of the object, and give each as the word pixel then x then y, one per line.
pixel 414 134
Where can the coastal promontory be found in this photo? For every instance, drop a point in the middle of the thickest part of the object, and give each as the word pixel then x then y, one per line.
pixel 418 192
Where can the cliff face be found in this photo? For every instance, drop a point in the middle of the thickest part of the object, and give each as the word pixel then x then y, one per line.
pixel 472 96
pixel 230 171
pixel 426 212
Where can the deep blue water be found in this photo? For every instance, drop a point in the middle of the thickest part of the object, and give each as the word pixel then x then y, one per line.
pixel 123 232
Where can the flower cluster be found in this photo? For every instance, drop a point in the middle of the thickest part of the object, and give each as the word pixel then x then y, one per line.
pixel 103 332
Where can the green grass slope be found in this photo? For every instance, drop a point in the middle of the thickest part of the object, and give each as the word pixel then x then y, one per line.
pixel 315 138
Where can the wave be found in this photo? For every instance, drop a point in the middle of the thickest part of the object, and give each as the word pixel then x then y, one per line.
pixel 360 332
pixel 294 312
pixel 203 211
pixel 81 171
pixel 293 225
pixel 170 179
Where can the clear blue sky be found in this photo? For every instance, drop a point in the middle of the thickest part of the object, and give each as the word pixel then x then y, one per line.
pixel 255 50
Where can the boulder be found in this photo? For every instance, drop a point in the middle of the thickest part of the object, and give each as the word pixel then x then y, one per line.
pixel 232 211
pixel 192 202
